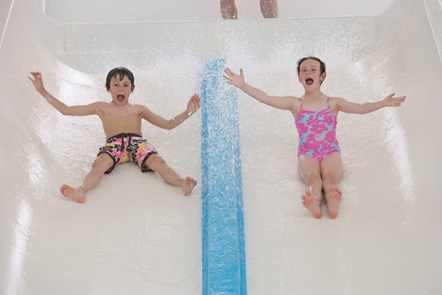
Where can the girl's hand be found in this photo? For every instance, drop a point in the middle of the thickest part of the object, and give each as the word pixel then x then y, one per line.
pixel 235 79
pixel 194 104
pixel 391 101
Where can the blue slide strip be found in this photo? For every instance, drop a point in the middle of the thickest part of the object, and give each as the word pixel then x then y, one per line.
pixel 223 248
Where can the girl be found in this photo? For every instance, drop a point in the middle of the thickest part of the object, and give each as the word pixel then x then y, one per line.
pixel 315 113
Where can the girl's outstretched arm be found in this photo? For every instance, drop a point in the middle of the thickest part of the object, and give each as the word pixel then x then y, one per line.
pixel 238 80
pixel 364 108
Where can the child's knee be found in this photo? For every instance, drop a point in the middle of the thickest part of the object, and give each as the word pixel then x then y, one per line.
pixel 329 181
pixel 314 179
pixel 154 162
pixel 102 163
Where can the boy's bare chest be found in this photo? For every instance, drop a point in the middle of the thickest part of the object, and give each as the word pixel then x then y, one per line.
pixel 120 114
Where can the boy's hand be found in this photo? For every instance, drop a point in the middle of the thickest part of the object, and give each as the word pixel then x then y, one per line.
pixel 235 79
pixel 37 80
pixel 194 104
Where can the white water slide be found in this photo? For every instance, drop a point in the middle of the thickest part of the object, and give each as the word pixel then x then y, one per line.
pixel 137 235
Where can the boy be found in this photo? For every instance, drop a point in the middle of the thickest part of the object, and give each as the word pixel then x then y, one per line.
pixel 122 127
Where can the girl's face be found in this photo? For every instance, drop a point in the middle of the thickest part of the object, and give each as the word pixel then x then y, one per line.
pixel 120 90
pixel 310 74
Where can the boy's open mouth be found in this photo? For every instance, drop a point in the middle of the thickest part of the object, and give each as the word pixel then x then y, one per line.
pixel 309 81
pixel 120 97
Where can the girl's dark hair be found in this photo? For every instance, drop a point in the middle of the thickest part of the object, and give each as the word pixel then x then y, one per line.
pixel 321 63
pixel 119 73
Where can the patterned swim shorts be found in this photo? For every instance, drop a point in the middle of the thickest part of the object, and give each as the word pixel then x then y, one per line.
pixel 128 147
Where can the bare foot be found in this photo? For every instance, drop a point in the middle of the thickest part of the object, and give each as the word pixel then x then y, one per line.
pixel 75 194
pixel 187 185
pixel 311 204
pixel 333 196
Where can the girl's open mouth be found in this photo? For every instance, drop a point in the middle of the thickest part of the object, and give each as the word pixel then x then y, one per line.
pixel 309 81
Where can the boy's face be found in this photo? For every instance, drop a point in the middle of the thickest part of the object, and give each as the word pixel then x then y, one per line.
pixel 120 90
pixel 310 74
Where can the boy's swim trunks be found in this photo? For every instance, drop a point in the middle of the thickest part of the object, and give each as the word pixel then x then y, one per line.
pixel 128 147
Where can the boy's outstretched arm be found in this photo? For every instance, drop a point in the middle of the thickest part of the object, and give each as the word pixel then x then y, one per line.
pixel 365 108
pixel 283 103
pixel 37 81
pixel 193 105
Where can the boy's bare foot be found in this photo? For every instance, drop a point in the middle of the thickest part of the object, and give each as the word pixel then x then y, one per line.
pixel 187 185
pixel 333 196
pixel 73 193
pixel 311 204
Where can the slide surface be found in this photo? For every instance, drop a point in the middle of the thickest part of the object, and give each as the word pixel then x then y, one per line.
pixel 137 235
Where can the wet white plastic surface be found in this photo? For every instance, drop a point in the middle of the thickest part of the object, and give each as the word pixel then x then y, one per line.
pixel 137 235
pixel 172 10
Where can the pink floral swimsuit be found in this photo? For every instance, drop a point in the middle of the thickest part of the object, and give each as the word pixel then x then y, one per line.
pixel 317 133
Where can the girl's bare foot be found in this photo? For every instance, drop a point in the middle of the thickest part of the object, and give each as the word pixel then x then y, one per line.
pixel 311 204
pixel 333 196
pixel 187 185
pixel 73 193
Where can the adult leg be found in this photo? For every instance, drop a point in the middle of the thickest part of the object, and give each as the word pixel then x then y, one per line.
pixel 229 9
pixel 310 173
pixel 78 194
pixel 157 164
pixel 269 8
pixel 331 171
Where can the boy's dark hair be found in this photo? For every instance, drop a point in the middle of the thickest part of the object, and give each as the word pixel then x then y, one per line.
pixel 119 73
pixel 321 63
